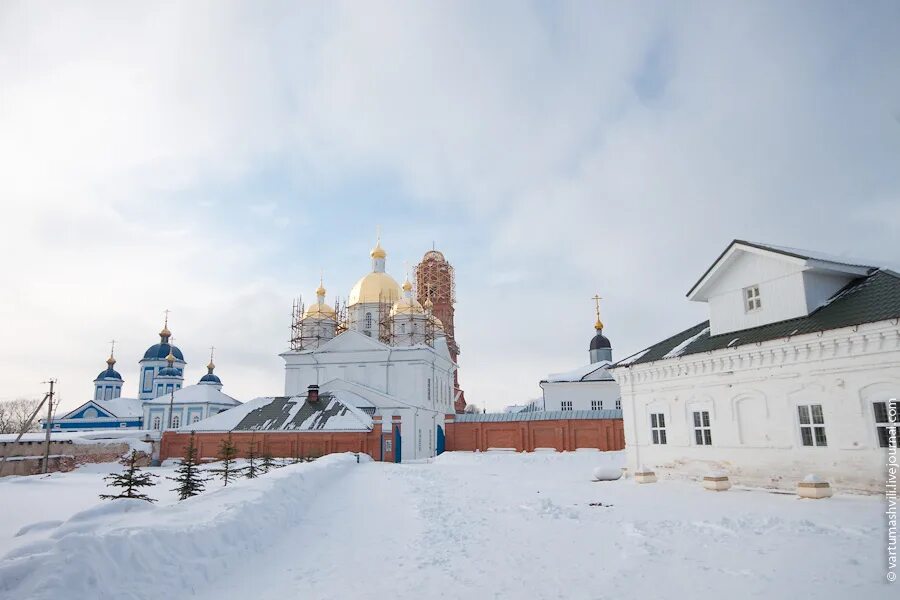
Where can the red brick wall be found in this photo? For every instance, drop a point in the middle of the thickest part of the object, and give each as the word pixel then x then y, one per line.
pixel 561 434
pixel 280 444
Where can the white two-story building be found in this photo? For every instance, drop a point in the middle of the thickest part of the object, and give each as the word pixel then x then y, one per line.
pixel 797 371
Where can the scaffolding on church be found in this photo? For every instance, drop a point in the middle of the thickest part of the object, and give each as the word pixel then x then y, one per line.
pixel 435 279
pixel 311 332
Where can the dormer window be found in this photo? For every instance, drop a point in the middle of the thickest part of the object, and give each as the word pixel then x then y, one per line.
pixel 752 300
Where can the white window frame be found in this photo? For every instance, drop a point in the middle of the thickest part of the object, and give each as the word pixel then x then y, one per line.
pixel 157 423
pixel 811 421
pixel 658 429
pixel 368 320
pixel 619 404
pixel 195 418
pixel 752 299
pixel 702 428
pixel 176 421
pixel 596 404
pixel 565 405
pixel 890 419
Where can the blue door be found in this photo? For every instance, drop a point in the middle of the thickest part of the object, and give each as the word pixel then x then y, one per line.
pixel 439 447
pixel 398 451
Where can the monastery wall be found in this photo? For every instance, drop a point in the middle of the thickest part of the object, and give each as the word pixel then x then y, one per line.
pixel 26 457
pixel 526 436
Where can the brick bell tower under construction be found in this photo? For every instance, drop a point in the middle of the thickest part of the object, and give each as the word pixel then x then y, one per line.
pixel 435 280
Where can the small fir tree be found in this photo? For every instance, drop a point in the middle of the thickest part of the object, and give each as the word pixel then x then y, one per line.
pixel 227 453
pixel 267 463
pixel 252 469
pixel 187 475
pixel 131 480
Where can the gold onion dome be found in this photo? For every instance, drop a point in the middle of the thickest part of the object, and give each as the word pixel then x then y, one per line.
pixel 319 310
pixel 320 291
pixel 374 287
pixel 165 331
pixel 407 306
pixel 407 286
pixel 598 325
pixel 211 366
pixel 378 251
pixel 170 357
pixel 111 361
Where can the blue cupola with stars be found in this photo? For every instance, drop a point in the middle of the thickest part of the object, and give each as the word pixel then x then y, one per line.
pixel 211 378
pixel 108 384
pixel 162 367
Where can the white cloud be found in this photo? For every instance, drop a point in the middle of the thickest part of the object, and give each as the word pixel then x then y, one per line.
pixel 598 147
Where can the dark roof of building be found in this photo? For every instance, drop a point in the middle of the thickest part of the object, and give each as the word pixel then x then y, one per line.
pixel 276 415
pixel 109 374
pixel 875 297
pixel 161 351
pixel 599 341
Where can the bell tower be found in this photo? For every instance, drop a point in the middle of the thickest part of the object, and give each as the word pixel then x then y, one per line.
pixel 435 280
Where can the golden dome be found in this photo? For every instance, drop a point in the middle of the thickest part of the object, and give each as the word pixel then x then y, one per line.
pixel 598 325
pixel 211 366
pixel 111 361
pixel 407 286
pixel 374 287
pixel 378 251
pixel 428 303
pixel 170 357
pixel 407 306
pixel 320 291
pixel 319 311
pixel 165 331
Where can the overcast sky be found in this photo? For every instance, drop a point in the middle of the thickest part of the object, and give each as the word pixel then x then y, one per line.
pixel 211 158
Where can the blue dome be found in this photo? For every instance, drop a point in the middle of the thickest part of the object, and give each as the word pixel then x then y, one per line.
pixel 169 372
pixel 210 378
pixel 161 351
pixel 109 373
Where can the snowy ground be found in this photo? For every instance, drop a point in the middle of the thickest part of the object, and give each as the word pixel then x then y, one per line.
pixel 492 525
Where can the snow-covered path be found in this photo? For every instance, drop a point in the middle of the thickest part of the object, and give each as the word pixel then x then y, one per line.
pixel 494 525
pixel 521 526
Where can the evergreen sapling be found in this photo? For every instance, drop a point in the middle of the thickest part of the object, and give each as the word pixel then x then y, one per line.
pixel 227 454
pixel 131 480
pixel 187 475
pixel 251 468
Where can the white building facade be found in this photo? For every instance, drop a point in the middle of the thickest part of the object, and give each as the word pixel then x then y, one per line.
pixel 796 372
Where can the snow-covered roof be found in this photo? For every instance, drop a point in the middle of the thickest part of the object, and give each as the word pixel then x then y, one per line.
pixel 120 408
pixel 592 372
pixel 334 411
pixel 197 394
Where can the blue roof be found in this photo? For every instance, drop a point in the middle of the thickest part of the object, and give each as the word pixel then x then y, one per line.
pixel 109 373
pixel 161 351
pixel 169 372
pixel 210 378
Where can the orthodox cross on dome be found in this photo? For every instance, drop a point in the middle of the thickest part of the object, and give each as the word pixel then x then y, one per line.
pixel 212 350
pixel 112 349
pixel 166 324
pixel 599 324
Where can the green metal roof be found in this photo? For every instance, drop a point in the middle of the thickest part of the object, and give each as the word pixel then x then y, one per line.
pixel 875 297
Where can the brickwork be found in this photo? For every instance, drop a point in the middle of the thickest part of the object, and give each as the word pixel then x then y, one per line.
pixel 27 457
pixel 559 434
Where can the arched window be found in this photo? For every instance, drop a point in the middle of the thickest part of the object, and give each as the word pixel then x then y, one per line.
pixel 368 320
pixel 195 418
pixel 157 423
pixel 402 327
pixel 176 421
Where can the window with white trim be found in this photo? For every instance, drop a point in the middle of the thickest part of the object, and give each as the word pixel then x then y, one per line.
pixel 157 423
pixel 368 320
pixel 658 428
pixel 195 418
pixel 596 404
pixel 887 422
pixel 618 404
pixel 702 432
pixel 176 421
pixel 565 405
pixel 752 301
pixel 812 425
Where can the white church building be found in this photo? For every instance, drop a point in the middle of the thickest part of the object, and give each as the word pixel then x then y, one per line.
pixel 386 355
pixel 589 387
pixel 796 372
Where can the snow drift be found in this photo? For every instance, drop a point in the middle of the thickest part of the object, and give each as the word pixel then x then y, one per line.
pixel 129 549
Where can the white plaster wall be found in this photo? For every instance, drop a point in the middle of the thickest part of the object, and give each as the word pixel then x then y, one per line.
pixel 580 393
pixel 752 394
pixel 780 286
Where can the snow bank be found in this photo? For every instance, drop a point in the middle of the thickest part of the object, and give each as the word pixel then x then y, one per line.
pixel 132 549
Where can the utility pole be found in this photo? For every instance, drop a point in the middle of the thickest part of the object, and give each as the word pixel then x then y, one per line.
pixel 49 426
